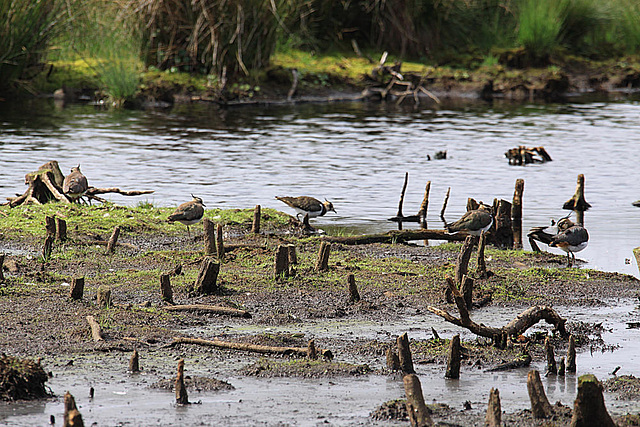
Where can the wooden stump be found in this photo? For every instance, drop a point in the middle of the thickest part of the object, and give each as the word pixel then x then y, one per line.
pixel 404 354
pixel 103 297
pixel 50 227
pixel 354 295
pixel 462 262
pixel 551 358
pixel 96 331
pixel 561 368
pixel 577 202
pixel 393 362
pixel 1 267
pixel 209 229
pixel 502 237
pixel 416 408
pixel 281 265
pixel 571 355
pixel 422 213
pixel 589 409
pixel 293 256
pixel 113 240
pixel 77 288
pixel 134 363
pixel 494 411
pixel 207 280
pixel 466 289
pixel 453 361
pixel 540 407
pixel 72 417
pixel 481 266
pixel 516 214
pixel 444 205
pixel 255 226
pixel 219 242
pixel 61 229
pixel 312 353
pixel 165 288
pixel 322 264
pixel 181 391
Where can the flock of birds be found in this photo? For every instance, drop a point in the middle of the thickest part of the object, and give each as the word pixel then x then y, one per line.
pixel 570 237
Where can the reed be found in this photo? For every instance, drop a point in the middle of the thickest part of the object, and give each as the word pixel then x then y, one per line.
pixel 540 24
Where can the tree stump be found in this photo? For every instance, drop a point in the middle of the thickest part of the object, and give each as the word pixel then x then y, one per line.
pixel 77 288
pixel 577 202
pixel 416 408
pixel 293 256
pixel 181 391
pixel 72 417
pixel 219 242
pixel 481 266
pixel 494 411
pixel 589 409
pixel 516 214
pixel 207 280
pixel 322 264
pixel 462 262
pixel 561 368
pixel 103 297
pixel 113 240
pixel 255 226
pixel 165 288
pixel 134 363
pixel 354 295
pixel 551 358
pixel 209 237
pixel 281 265
pixel 96 331
pixel 393 362
pixel 502 237
pixel 50 227
pixel 540 407
pixel 571 355
pixel 453 361
pixel 312 353
pixel 404 354
pixel 424 206
pixel 466 289
pixel 61 229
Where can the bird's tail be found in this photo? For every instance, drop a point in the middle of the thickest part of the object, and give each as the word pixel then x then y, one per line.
pixel 538 233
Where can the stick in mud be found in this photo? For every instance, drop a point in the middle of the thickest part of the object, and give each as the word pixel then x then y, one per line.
pixel 134 363
pixel 77 288
pixel 589 408
pixel 416 408
pixel 96 332
pixel 516 214
pixel 404 354
pixel 571 355
pixel 354 295
pixel 209 229
pixel 61 229
pixel 494 412
pixel 219 241
pixel 165 288
pixel 551 358
pixel 113 240
pixel 453 361
pixel 540 406
pixel 255 226
pixel 444 206
pixel 181 391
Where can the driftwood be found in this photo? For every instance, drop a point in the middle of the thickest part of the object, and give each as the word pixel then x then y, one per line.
pixel 540 406
pixel 588 408
pixel 517 326
pixel 404 354
pixel 96 332
pixel 226 311
pixel 523 155
pixel 416 408
pixel 255 348
pixel 494 411
pixel 577 202
pixel 397 236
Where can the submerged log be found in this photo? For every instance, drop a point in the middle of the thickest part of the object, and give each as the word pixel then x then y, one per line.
pixel 397 236
pixel 255 348
pixel 225 311
pixel 416 408
pixel 589 409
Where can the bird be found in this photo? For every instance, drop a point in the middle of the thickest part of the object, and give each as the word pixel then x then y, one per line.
pixel 308 205
pixel 636 203
pixel 189 213
pixel 570 237
pixel 75 184
pixel 473 222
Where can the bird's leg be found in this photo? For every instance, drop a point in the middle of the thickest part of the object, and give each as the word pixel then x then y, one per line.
pixel 568 259
pixel 188 232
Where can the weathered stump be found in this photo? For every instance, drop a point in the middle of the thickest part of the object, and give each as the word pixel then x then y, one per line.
pixel 589 409
pixel 207 280
pixel 444 205
pixel 462 262
pixel 96 331
pixel 50 227
pixel 322 264
pixel 113 240
pixel 72 417
pixel 77 288
pixel 502 236
pixel 494 411
pixel 312 353
pixel 551 358
pixel 453 360
pixel 255 226
pixel 481 265
pixel 393 362
pixel 577 202
pixel 540 406
pixel 404 354
pixel 354 295
pixel 209 229
pixel 466 289
pixel 571 355
pixel 103 297
pixel 416 408
pixel 281 265
pixel 516 214
pixel 219 242
pixel 134 362
pixel 561 367
pixel 165 288
pixel 181 391
pixel 424 206
pixel 293 255
pixel 61 229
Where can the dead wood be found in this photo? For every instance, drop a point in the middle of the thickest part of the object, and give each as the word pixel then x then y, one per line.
pixel 561 367
pixel 416 408
pixel 322 263
pixel 516 214
pixel 494 411
pixel 354 295
pixel 521 361
pixel 294 84
pixel 96 332
pixel 444 206
pixel 293 255
pixel 397 236
pixel 72 417
pixel 209 228
pixel 106 243
pixel 466 289
pixel 312 352
pixel 103 296
pixel 61 229
pixel 281 264
pixel 182 398
pixel 454 358
pixel 524 155
pixel 393 362
pixel 134 362
pixel 92 191
pixel 219 242
pixel 255 226
pixel 481 265
pixel 207 280
pixel 540 406
pixel 225 311
pixel 462 262
pixel 165 288
pixel 404 354
pixel 589 409
pixel 1 267
pixel 502 232
pixel 571 355
pixel 551 358
pixel 77 288
pixel 113 240
pixel 255 348
pixel 424 206
pixel 577 202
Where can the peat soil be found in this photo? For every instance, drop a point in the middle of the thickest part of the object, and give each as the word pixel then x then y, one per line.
pixel 396 284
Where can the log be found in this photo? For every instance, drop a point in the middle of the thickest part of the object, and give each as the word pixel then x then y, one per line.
pixel 354 295
pixel 462 262
pixel 589 409
pixel 103 296
pixel 571 355
pixel 113 240
pixel 397 236
pixel 454 358
pixel 134 362
pixel 61 229
pixel 182 398
pixel 106 243
pixel 416 408
pixel 165 288
pixel 254 348
pixel 281 265
pixel 96 332
pixel 540 406
pixel 521 361
pixel 393 362
pixel 225 311
pixel 404 354
pixel 77 288
pixel 207 280
pixel 255 226
pixel 551 358
pixel 92 191
pixel 209 230
pixel 494 412
pixel 516 214
pixel 219 242
pixel 322 263
pixel 577 202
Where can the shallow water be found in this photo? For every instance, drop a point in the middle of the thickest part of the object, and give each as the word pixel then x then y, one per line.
pixel 354 154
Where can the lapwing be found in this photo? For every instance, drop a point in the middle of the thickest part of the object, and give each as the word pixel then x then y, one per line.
pixel 308 205
pixel 75 184
pixel 570 238
pixel 189 213
pixel 636 203
pixel 473 222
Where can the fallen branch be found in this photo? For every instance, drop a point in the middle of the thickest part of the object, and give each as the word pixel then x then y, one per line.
pixel 92 191
pixel 397 236
pixel 209 309
pixel 96 332
pixel 263 349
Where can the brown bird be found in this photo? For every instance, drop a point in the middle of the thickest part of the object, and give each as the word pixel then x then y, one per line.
pixel 473 222
pixel 189 213
pixel 75 184
pixel 308 205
